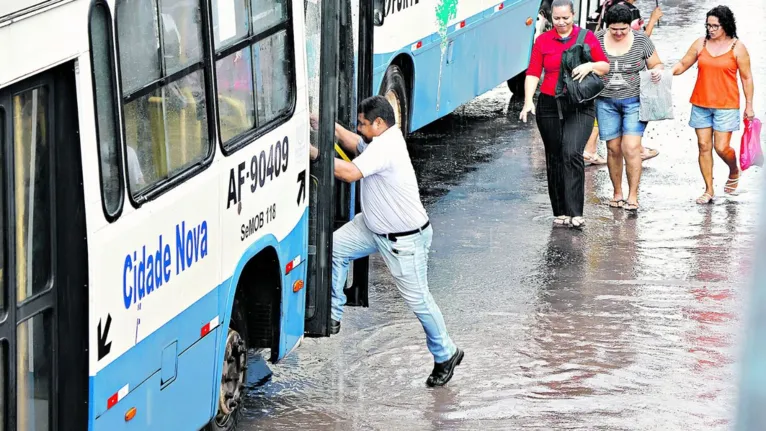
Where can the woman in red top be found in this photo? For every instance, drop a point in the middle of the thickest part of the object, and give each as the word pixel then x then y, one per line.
pixel 715 99
pixel 564 139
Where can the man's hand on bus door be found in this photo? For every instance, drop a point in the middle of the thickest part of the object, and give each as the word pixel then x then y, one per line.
pixel 313 152
pixel 314 121
pixel 347 171
pixel 348 140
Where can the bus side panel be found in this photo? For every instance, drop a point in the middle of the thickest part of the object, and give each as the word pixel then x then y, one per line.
pixel 292 317
pixel 488 54
pixel 172 407
pixel 508 53
pixel 114 385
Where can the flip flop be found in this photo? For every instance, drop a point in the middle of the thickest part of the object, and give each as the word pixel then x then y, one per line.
pixel 562 221
pixel 652 153
pixel 706 198
pixel 630 207
pixel 616 203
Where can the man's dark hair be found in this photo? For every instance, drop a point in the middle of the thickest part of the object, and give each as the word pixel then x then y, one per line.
pixel 618 14
pixel 377 107
pixel 725 18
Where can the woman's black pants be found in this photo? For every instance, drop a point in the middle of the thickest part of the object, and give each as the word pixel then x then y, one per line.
pixel 564 140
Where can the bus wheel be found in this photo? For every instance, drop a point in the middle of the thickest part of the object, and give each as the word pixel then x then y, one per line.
pixel 394 89
pixel 234 376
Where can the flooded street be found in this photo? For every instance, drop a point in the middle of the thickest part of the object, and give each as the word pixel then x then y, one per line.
pixel 633 323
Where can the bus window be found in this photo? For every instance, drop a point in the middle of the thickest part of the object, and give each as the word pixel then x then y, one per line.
pixel 31 182
pixel 267 14
pixel 273 77
pixel 105 102
pixel 165 111
pixel 34 347
pixel 254 64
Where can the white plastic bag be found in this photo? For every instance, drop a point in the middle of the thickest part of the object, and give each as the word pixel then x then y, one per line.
pixel 656 97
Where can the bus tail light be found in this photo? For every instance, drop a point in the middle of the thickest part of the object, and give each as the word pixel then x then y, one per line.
pixel 130 414
pixel 499 7
pixel 460 25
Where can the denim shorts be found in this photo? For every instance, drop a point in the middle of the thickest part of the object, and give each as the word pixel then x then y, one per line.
pixel 619 117
pixel 721 120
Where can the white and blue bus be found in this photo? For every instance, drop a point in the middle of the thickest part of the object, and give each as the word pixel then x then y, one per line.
pixel 159 215
pixel 431 56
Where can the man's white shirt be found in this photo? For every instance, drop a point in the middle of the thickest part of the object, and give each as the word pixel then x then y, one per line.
pixel 389 191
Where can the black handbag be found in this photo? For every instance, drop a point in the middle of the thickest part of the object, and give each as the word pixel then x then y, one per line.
pixel 571 90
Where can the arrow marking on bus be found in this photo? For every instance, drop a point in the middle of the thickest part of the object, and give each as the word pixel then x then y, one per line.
pixel 302 187
pixel 103 346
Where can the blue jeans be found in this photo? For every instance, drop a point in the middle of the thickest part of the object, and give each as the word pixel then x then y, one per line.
pixel 619 117
pixel 407 259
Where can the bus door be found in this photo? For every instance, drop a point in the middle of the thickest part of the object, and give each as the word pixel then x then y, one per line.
pixel 43 270
pixel 339 76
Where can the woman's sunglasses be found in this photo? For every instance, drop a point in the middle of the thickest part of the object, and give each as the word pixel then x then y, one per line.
pixel 712 27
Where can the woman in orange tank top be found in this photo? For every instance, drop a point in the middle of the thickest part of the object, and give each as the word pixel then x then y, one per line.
pixel 715 99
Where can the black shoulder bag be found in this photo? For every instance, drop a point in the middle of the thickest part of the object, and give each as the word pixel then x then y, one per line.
pixel 567 88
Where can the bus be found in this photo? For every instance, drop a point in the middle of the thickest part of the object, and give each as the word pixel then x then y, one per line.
pixel 431 56
pixel 161 217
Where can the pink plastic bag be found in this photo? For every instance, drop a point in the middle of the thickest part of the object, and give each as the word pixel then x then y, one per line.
pixel 750 152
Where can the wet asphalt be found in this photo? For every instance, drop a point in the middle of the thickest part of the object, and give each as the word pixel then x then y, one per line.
pixel 635 322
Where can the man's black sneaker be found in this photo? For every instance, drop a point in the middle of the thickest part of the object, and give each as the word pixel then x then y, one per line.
pixel 442 372
pixel 334 327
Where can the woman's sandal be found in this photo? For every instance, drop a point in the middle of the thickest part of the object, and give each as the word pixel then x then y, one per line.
pixel 706 198
pixel 630 207
pixel 616 203
pixel 650 153
pixel 578 222
pixel 593 159
pixel 562 221
pixel 731 185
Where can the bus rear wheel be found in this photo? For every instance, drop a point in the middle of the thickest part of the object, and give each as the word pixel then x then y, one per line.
pixel 394 89
pixel 233 377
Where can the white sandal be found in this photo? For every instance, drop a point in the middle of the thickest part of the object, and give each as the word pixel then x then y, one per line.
pixel 562 221
pixel 578 222
pixel 731 184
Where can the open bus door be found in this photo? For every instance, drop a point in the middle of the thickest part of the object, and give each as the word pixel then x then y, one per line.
pixel 340 74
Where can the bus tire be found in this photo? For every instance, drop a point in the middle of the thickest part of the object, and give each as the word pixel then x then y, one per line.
pixel 394 89
pixel 234 374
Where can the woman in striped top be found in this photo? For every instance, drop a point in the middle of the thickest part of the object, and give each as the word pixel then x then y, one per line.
pixel 617 108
